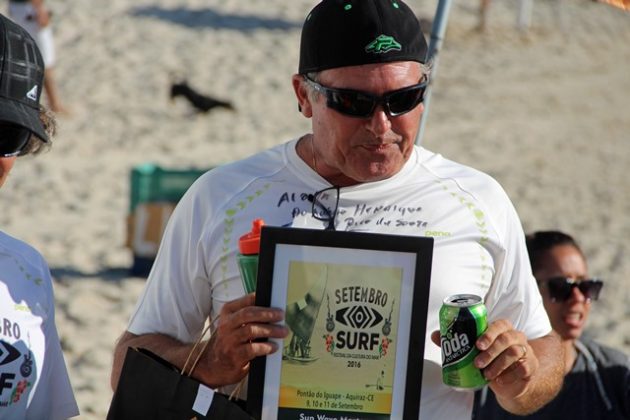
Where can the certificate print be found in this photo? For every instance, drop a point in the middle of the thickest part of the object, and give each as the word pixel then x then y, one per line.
pixel 356 307
pixel 340 354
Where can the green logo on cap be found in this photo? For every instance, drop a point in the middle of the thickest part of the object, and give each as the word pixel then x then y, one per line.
pixel 383 44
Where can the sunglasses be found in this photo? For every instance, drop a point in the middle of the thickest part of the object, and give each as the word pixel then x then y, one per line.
pixel 355 103
pixel 13 139
pixel 560 288
pixel 325 205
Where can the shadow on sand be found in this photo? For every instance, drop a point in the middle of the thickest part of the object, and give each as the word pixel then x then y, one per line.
pixel 208 18
pixel 63 274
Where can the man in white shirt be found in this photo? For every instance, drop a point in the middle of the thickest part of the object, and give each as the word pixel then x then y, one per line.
pixel 361 80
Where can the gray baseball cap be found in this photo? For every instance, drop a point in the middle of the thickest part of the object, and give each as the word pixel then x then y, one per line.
pixel 21 78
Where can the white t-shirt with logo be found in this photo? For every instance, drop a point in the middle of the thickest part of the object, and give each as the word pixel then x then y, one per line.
pixel 34 383
pixel 479 245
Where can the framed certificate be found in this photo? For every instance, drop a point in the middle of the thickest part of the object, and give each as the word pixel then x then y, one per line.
pixel 356 307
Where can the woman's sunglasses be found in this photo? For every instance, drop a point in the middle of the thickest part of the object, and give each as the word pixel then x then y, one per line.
pixel 560 288
pixel 13 139
pixel 361 104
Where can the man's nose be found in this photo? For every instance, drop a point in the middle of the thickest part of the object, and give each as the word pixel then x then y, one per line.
pixel 379 123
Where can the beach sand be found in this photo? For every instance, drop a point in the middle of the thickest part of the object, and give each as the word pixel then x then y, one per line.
pixel 545 112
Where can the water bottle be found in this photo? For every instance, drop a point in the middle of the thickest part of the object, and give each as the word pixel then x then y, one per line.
pixel 247 258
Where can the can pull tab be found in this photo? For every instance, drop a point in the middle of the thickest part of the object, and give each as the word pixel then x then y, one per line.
pixel 249 244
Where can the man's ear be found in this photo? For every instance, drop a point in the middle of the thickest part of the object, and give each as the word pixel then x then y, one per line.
pixel 301 93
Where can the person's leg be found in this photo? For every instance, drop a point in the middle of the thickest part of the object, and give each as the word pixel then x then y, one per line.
pixel 484 5
pixel 524 18
pixel 50 87
pixel 559 12
pixel 46 45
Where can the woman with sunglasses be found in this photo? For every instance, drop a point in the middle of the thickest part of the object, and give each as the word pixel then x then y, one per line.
pixel 34 383
pixel 597 381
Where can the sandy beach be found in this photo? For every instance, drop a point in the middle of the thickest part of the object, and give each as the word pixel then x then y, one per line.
pixel 547 113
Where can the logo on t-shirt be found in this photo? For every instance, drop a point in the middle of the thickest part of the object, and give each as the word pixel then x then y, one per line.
pixel 8 353
pixel 12 387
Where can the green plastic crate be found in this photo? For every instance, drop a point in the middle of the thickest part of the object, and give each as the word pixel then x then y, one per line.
pixel 151 183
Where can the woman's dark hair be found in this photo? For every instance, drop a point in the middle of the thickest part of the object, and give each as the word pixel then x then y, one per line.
pixel 539 243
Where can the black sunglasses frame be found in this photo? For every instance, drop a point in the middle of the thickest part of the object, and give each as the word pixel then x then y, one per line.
pixel 13 139
pixel 560 288
pixel 333 102
pixel 321 211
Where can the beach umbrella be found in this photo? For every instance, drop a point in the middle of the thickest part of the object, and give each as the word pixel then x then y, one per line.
pixel 435 43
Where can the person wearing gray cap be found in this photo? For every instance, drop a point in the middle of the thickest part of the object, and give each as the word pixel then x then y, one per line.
pixel 361 80
pixel 34 382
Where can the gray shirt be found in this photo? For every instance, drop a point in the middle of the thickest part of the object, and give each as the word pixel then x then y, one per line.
pixel 598 387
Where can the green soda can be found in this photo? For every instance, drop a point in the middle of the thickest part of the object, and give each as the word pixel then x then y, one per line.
pixel 463 318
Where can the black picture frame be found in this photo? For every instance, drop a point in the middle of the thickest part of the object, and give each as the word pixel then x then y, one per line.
pixel 391 264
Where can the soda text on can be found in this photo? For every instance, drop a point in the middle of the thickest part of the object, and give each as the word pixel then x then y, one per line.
pixel 463 319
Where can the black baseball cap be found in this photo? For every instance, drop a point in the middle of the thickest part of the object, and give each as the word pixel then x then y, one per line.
pixel 340 33
pixel 21 78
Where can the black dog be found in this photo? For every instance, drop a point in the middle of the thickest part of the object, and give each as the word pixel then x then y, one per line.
pixel 202 103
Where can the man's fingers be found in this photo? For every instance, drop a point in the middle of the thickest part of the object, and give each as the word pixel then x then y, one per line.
pixel 238 304
pixel 495 351
pixel 262 348
pixel 241 332
pixel 495 330
pixel 511 357
pixel 521 370
pixel 244 353
pixel 504 353
pixel 435 337
pixel 253 331
pixel 256 314
pixel 239 312
pixel 508 358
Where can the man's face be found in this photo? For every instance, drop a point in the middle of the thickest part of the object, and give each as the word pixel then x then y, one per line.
pixel 6 164
pixel 567 318
pixel 353 150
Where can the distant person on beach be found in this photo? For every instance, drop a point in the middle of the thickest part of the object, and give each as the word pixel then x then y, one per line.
pixel 34 16
pixel 523 17
pixel 484 6
pixel 597 382
pixel 361 80
pixel 34 383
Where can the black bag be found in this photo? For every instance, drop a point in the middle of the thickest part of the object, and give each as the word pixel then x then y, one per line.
pixel 152 388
